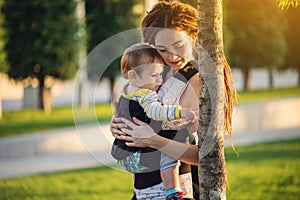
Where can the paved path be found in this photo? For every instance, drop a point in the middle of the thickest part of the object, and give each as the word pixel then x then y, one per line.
pixel 55 150
pixel 84 146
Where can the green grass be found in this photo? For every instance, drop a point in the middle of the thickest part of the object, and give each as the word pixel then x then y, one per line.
pixel 268 171
pixel 101 183
pixel 267 94
pixel 31 120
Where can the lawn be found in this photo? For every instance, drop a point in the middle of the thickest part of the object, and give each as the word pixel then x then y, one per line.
pixel 267 94
pixel 268 171
pixel 31 120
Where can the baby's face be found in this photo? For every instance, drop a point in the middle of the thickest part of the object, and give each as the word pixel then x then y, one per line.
pixel 150 76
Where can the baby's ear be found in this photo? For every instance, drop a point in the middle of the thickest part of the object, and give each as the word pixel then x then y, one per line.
pixel 131 75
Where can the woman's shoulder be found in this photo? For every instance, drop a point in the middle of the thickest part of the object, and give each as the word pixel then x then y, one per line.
pixel 195 78
pixel 194 83
pixel 187 72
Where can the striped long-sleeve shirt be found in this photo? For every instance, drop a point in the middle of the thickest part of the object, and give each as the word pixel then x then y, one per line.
pixel 148 99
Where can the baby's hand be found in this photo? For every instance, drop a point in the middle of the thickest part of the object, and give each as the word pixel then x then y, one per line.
pixel 189 114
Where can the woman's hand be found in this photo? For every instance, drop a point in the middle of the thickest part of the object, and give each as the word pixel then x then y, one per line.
pixel 116 124
pixel 140 133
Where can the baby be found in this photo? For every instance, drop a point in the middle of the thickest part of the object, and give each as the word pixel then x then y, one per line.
pixel 142 65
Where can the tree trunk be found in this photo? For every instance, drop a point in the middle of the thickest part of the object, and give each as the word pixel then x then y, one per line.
pixel 212 170
pixel 246 83
pixel 149 4
pixel 1 111
pixel 44 96
pixel 299 77
pixel 112 86
pixel 83 99
pixel 82 54
pixel 271 78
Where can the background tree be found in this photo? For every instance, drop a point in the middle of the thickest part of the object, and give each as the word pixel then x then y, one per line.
pixel 191 2
pixel 212 169
pixel 273 39
pixel 105 19
pixel 256 35
pixel 41 41
pixel 288 3
pixel 3 63
pixel 292 59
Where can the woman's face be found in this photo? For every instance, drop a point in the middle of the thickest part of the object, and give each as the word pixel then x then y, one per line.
pixel 175 47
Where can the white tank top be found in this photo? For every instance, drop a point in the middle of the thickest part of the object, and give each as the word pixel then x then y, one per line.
pixel 171 91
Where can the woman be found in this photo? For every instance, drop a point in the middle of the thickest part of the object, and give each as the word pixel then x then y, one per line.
pixel 172 29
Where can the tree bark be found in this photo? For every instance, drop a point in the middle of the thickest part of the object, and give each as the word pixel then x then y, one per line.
pixel 44 96
pixel 212 169
pixel 271 78
pixel 83 100
pixel 299 77
pixel 1 111
pixel 112 83
pixel 82 54
pixel 246 75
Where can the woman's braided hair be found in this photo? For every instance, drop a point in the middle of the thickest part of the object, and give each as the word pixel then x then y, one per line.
pixel 183 17
pixel 174 15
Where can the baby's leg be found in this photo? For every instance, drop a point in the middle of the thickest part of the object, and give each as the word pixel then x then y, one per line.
pixel 169 170
pixel 170 178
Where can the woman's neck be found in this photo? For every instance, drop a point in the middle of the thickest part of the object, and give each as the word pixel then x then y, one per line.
pixel 170 73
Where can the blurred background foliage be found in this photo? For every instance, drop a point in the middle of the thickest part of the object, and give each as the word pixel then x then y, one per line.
pixel 105 19
pixel 256 30
pixel 39 39
pixel 40 42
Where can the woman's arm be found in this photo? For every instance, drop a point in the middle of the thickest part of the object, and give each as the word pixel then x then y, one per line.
pixel 142 135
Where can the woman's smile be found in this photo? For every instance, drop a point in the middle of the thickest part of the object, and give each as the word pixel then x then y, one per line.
pixel 177 62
